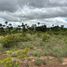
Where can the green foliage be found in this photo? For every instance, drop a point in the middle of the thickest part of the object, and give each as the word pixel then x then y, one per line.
pixel 25 46
pixel 8 62
pixel 7 41
pixel 37 44
pixel 21 54
pixel 45 37
pixel 37 53
pixel 39 62
pixel 57 51
pixel 11 40
pixel 13 55
pixel 39 34
pixel 56 33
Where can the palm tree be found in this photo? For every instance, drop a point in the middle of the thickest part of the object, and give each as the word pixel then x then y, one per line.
pixel 53 25
pixel 22 25
pixel 10 27
pixel 0 25
pixel 10 24
pixel 38 23
pixel 26 26
pixel 1 29
pixel 3 25
pixel 6 22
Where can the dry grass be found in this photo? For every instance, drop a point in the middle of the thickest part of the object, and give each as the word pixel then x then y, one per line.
pixel 40 44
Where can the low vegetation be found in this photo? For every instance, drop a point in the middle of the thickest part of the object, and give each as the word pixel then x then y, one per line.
pixel 20 44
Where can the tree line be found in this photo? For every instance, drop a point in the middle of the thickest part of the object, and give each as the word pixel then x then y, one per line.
pixel 8 28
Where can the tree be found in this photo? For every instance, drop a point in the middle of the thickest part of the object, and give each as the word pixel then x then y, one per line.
pixel 53 25
pixel 62 26
pixel 0 25
pixel 6 22
pixel 22 25
pixel 10 27
pixel 19 27
pixel 3 26
pixel 1 29
pixel 38 23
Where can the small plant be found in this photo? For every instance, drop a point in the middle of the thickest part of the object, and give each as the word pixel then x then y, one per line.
pixel 8 62
pixel 11 40
pixel 21 54
pixel 37 53
pixel 39 34
pixel 26 46
pixel 45 37
pixel 8 41
pixel 39 62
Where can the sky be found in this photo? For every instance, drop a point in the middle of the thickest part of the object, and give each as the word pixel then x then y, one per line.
pixel 32 11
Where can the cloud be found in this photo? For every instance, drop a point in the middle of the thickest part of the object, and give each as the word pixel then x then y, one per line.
pixel 27 13
pixel 33 10
pixel 43 3
pixel 8 5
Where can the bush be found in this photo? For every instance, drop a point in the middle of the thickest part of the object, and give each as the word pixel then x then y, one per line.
pixel 39 34
pixel 21 54
pixel 22 46
pixel 38 62
pixel 37 53
pixel 8 41
pixel 11 40
pixel 56 33
pixel 8 62
pixel 45 37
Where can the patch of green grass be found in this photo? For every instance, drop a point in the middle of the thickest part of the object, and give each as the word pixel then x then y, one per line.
pixel 45 37
pixel 11 40
pixel 21 54
pixel 37 53
pixel 39 62
pixel 8 62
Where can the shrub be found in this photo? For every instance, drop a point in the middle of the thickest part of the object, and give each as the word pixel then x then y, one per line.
pixel 11 40
pixel 45 37
pixel 8 41
pixel 21 54
pixel 38 62
pixel 56 33
pixel 37 53
pixel 39 34
pixel 8 62
pixel 25 46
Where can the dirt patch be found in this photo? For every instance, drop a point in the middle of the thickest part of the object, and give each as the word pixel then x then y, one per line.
pixel 50 61
pixel 3 56
pixel 64 61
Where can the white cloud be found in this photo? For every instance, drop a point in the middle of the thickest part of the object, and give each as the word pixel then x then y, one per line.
pixel 32 11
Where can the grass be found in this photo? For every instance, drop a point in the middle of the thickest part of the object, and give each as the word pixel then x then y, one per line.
pixel 39 62
pixel 45 37
pixel 40 44
pixel 11 40
pixel 8 62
